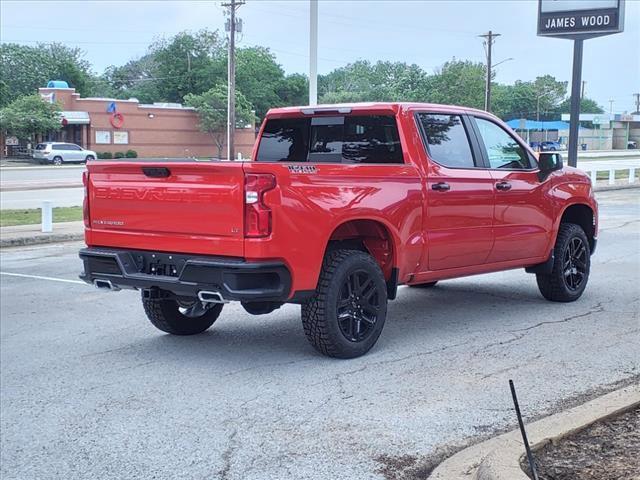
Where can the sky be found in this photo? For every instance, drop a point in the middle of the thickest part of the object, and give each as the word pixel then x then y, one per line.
pixel 427 33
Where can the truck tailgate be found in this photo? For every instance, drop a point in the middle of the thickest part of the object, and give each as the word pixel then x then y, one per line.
pixel 185 207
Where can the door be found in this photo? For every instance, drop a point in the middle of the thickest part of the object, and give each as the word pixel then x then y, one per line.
pixel 459 195
pixel 523 215
pixel 74 152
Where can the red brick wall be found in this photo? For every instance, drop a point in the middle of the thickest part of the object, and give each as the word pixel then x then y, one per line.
pixel 153 131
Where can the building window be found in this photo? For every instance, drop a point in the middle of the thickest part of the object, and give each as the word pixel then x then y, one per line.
pixel 121 138
pixel 103 136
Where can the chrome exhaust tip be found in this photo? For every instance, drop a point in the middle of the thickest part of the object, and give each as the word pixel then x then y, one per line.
pixel 105 285
pixel 211 297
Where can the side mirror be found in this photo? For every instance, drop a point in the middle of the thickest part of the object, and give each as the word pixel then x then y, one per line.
pixel 548 162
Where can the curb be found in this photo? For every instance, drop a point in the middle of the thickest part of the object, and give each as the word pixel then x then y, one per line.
pixel 607 188
pixel 499 458
pixel 40 239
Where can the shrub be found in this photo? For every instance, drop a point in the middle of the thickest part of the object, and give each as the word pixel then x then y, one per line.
pixel 104 155
pixel 131 154
pixel 119 155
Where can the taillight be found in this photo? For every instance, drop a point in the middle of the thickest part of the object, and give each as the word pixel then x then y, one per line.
pixel 257 216
pixel 85 200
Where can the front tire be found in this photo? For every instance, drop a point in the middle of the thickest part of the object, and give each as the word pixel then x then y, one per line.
pixel 185 318
pixel 89 158
pixel 347 313
pixel 571 266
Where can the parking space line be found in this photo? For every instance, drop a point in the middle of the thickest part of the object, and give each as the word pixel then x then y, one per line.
pixel 38 277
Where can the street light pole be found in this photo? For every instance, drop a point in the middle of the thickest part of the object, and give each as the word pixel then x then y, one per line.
pixel 313 52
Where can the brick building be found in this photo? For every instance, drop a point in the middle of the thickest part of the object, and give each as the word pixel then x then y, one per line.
pixel 153 130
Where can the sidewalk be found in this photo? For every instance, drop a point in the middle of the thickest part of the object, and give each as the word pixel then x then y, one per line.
pixel 21 235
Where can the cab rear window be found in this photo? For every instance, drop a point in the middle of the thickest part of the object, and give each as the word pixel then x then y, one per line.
pixel 334 139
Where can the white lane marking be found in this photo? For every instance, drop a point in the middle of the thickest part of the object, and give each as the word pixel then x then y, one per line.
pixel 38 277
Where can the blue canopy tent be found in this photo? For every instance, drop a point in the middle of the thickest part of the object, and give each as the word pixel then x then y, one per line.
pixel 518 124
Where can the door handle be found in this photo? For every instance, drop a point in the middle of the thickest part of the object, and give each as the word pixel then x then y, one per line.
pixel 440 187
pixel 503 186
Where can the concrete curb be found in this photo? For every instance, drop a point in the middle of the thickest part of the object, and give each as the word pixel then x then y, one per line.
pixel 40 239
pixel 607 188
pixel 499 458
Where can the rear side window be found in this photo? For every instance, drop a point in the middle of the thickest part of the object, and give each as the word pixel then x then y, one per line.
pixel 339 139
pixel 447 140
pixel 41 146
pixel 58 147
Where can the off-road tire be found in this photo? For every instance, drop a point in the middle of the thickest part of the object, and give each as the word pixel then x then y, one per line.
pixel 320 316
pixel 553 286
pixel 165 315
pixel 424 285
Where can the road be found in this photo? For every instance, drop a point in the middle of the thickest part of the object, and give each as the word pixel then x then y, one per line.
pixel 91 390
pixel 68 197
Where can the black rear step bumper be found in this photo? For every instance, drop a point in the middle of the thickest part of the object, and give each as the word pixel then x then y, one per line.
pixel 186 275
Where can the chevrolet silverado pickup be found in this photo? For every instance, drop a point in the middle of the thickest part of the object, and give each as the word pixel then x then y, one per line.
pixel 338 206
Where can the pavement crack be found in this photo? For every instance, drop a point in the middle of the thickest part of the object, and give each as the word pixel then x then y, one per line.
pixel 619 226
pixel 227 456
pixel 598 308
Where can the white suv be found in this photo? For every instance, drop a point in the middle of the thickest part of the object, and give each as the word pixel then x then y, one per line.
pixel 59 153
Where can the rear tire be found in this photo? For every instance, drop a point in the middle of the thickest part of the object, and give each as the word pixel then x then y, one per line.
pixel 168 315
pixel 57 160
pixel 571 266
pixel 346 315
pixel 424 285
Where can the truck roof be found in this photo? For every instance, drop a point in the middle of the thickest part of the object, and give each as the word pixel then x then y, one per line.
pixel 394 107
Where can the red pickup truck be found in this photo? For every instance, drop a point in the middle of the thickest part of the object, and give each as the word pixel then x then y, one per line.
pixel 338 206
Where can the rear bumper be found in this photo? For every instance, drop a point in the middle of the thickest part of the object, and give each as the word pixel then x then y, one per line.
pixel 186 275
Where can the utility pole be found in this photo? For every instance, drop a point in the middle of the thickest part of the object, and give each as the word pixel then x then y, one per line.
pixel 611 106
pixel 637 95
pixel 313 52
pixel 489 40
pixel 582 91
pixel 232 28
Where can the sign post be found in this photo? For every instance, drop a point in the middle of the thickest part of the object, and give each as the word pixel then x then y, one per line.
pixel 578 20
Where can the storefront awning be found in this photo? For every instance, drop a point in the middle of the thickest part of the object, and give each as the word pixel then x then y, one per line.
pixel 76 118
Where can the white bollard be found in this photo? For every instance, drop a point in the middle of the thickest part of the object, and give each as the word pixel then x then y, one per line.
pixel 612 177
pixel 632 175
pixel 47 216
pixel 239 155
pixel 594 176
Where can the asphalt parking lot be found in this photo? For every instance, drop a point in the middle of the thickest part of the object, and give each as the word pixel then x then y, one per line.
pixel 91 390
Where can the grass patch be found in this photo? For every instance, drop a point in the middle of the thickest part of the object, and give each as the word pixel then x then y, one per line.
pixel 32 216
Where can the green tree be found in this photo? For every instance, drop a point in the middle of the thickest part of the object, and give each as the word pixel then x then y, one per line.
pixel 458 83
pixel 294 90
pixel 212 110
pixel 23 69
pixel 587 105
pixel 188 63
pixel 365 81
pixel 28 116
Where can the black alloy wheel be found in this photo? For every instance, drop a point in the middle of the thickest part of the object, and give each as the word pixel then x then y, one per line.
pixel 574 263
pixel 358 306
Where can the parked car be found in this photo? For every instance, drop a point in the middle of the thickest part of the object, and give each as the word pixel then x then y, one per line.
pixel 59 153
pixel 338 207
pixel 552 146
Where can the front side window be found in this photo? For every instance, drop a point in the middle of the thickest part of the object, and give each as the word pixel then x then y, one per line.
pixel 503 151
pixel 447 140
pixel 339 139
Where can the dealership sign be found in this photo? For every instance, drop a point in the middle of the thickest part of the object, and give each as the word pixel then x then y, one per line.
pixel 580 18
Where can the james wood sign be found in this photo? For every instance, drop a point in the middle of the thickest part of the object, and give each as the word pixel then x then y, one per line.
pixel 580 17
